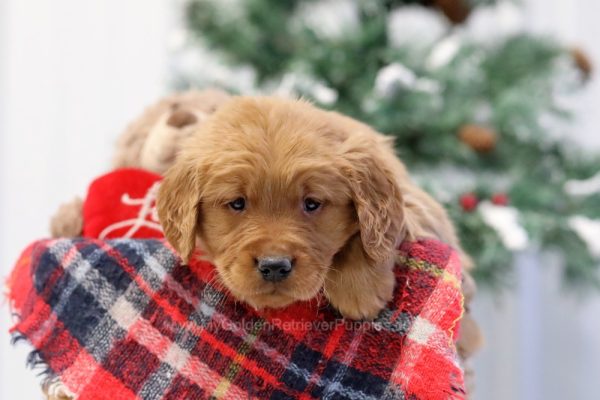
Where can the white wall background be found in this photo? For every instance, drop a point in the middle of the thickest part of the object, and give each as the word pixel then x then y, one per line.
pixel 73 73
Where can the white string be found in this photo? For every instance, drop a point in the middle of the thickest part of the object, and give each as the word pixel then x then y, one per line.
pixel 147 210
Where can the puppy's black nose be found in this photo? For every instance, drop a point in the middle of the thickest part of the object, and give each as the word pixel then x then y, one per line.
pixel 274 269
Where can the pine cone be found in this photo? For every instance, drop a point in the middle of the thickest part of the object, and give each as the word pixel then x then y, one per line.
pixel 457 11
pixel 480 138
pixel 583 62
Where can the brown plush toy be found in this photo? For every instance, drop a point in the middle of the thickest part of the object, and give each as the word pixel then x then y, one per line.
pixel 150 142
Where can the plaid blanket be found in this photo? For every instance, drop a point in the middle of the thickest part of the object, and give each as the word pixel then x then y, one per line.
pixel 123 319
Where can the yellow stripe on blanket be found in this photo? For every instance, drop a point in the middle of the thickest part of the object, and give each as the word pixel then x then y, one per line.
pixel 432 269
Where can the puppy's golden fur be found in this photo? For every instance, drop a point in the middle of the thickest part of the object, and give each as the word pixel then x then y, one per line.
pixel 275 154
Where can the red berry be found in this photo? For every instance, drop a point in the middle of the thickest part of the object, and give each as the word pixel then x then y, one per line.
pixel 469 201
pixel 500 199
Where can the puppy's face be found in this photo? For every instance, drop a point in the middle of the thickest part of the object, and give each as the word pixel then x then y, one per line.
pixel 267 190
pixel 273 222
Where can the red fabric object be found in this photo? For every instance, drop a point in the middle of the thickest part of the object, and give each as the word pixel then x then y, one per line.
pixel 122 204
pixel 124 319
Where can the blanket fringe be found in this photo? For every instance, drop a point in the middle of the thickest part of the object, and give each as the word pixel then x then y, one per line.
pixel 50 382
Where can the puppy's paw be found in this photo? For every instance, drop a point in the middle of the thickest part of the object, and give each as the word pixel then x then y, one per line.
pixel 361 307
pixel 361 293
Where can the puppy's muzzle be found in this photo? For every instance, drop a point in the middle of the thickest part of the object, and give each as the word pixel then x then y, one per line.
pixel 274 269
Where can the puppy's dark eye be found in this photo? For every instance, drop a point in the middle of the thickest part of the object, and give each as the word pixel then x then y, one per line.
pixel 311 205
pixel 238 204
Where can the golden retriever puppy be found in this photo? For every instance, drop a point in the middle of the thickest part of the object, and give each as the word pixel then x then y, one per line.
pixel 287 199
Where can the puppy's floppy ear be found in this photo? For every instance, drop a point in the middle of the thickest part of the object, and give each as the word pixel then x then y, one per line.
pixel 178 204
pixel 378 202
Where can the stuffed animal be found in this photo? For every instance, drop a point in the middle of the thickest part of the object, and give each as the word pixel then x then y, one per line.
pixel 149 143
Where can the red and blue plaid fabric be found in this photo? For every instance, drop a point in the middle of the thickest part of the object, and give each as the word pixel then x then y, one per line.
pixel 124 319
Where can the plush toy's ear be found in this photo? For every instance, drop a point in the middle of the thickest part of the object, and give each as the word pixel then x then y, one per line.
pixel 178 205
pixel 378 202
pixel 181 118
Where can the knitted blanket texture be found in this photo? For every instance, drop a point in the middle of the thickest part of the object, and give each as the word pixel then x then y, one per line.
pixel 124 319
